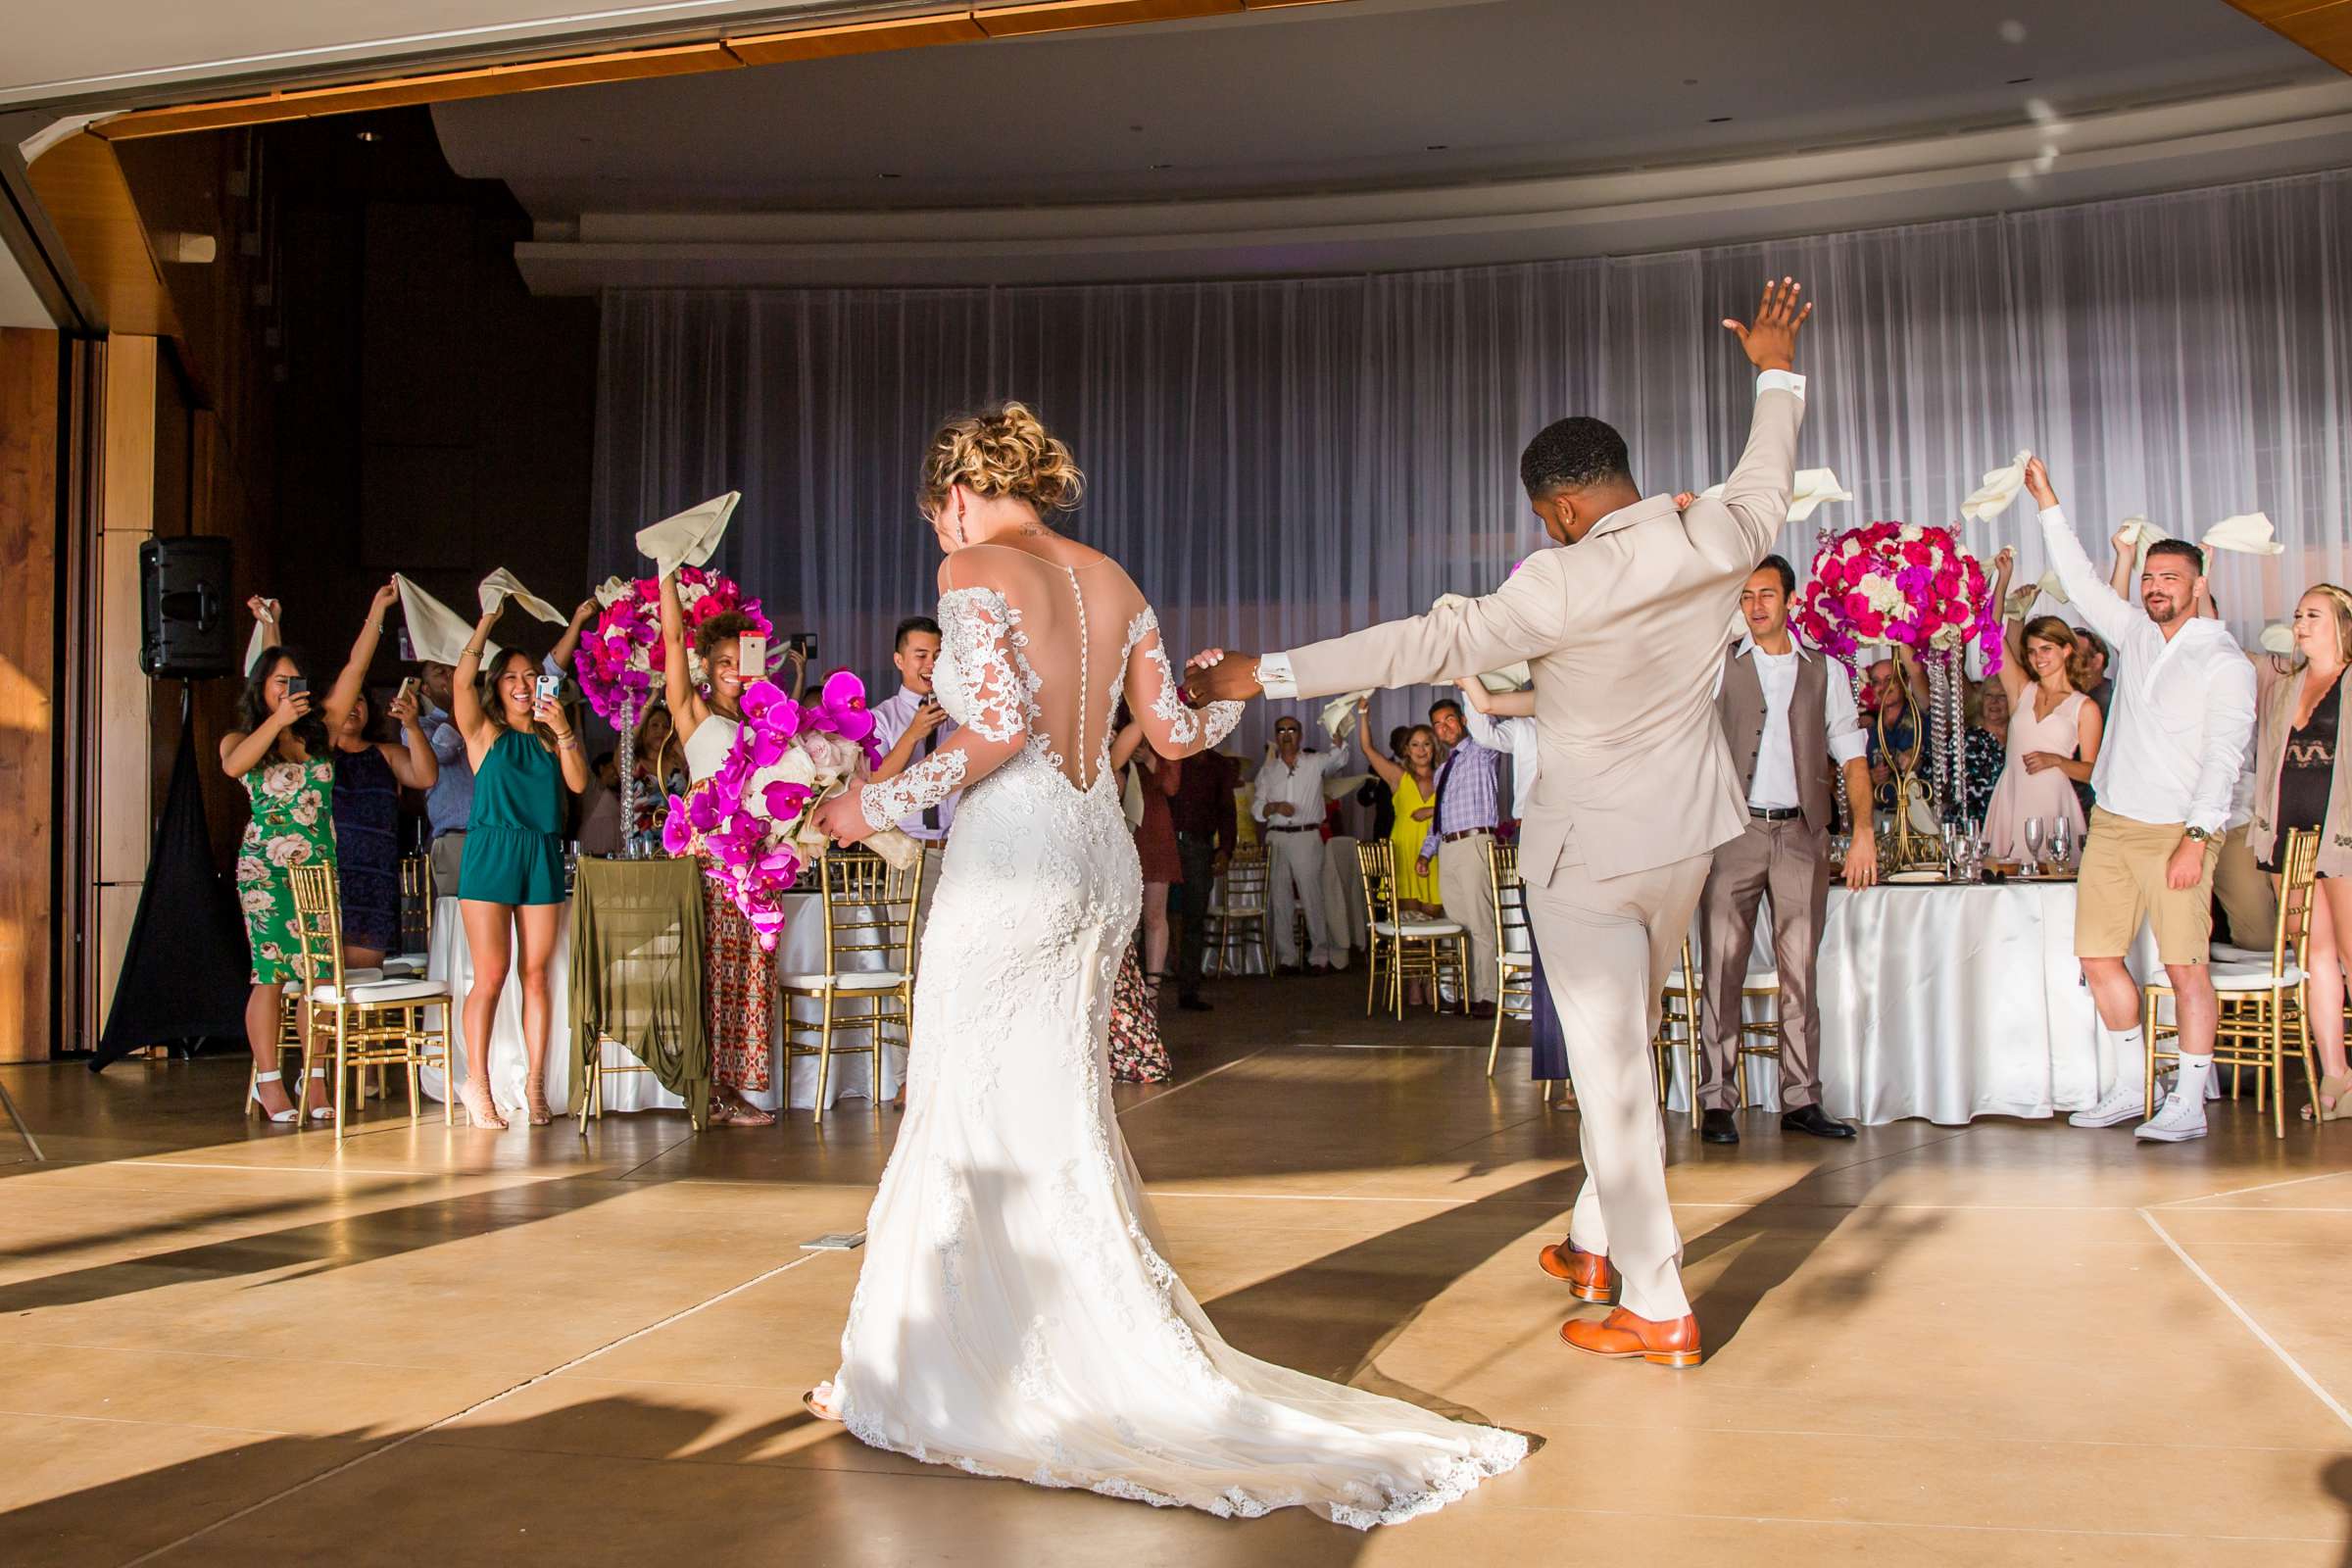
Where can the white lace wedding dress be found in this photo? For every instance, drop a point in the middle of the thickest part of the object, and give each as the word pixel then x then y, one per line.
pixel 1016 1315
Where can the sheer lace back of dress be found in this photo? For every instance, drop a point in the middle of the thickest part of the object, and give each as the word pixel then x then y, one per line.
pixel 1068 630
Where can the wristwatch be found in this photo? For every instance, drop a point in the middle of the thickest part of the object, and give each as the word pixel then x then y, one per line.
pixel 2199 834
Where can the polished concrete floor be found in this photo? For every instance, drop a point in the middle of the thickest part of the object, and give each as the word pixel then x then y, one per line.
pixel 222 1343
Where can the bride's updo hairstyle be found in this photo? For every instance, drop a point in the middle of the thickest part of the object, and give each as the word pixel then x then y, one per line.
pixel 1003 451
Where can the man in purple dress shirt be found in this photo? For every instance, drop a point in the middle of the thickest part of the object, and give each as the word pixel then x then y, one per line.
pixel 1469 794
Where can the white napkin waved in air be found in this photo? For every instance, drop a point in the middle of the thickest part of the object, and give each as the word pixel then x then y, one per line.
pixel 1338 715
pixel 689 538
pixel 436 636
pixel 2248 534
pixel 1814 488
pixel 503 584
pixel 2278 638
pixel 258 642
pixel 1998 492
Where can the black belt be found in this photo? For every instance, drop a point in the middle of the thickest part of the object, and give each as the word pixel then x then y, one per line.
pixel 1776 813
pixel 1314 828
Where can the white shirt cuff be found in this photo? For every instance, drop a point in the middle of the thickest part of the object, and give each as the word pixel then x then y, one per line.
pixel 1779 382
pixel 2053 516
pixel 1849 747
pixel 1274 675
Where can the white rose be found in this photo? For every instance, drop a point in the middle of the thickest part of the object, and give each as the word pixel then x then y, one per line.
pixel 830 754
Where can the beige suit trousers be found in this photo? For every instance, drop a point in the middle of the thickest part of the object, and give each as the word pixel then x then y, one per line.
pixel 1791 863
pixel 1608 945
pixel 1467 887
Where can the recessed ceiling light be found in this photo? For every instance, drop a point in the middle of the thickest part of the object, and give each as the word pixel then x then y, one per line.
pixel 1136 129
pixel 368 136
pixel 885 176
pixel 2019 81
pixel 1720 120
pixel 1163 166
pixel 1438 146
pixel 1690 81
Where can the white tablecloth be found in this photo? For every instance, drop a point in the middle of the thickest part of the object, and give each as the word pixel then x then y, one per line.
pixel 1948 1004
pixel 801 950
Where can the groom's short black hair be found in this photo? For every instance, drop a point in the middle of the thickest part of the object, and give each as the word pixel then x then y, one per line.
pixel 1573 454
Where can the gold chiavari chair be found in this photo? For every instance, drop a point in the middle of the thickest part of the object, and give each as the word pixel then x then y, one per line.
pixel 1235 928
pixel 1677 1012
pixel 868 979
pixel 1403 949
pixel 375 1023
pixel 416 909
pixel 1514 941
pixel 2265 1002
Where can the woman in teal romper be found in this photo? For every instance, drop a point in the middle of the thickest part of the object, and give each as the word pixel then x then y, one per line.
pixel 525 757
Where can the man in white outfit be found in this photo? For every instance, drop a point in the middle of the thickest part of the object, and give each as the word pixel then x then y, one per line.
pixel 1288 803
pixel 2176 737
pixel 1625 631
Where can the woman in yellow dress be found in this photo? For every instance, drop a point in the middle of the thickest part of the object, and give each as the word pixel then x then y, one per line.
pixel 1412 781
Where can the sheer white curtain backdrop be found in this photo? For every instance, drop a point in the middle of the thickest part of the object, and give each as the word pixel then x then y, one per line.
pixel 1280 460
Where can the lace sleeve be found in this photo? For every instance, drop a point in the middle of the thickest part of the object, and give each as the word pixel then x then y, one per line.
pixel 1154 694
pixel 980 654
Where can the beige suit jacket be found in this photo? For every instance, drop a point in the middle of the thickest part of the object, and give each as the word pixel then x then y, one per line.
pixel 1625 631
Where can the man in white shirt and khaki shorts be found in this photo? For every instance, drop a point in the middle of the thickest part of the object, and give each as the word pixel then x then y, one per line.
pixel 2176 737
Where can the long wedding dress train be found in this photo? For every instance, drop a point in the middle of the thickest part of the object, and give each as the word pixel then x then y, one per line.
pixel 1016 1314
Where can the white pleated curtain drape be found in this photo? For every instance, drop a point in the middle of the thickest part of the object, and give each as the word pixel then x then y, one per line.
pixel 1279 461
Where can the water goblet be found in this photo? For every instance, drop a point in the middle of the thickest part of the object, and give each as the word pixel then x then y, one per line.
pixel 2062 842
pixel 2033 846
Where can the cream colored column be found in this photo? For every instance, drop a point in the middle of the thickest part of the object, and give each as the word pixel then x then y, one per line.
pixel 122 757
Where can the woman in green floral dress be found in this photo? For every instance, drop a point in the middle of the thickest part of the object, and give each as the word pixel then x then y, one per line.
pixel 281 753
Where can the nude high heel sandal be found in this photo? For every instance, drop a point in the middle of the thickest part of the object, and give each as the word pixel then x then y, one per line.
pixel 253 1096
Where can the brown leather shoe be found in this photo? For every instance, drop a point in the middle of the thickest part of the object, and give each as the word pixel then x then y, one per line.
pixel 1621 1336
pixel 1586 1273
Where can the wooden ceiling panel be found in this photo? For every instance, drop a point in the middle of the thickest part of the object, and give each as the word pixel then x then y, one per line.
pixel 2323 26
pixel 81 188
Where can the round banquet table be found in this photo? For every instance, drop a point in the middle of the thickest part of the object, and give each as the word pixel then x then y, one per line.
pixel 801 950
pixel 1948 1002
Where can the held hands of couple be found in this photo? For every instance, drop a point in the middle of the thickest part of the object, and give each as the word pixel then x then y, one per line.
pixel 1214 676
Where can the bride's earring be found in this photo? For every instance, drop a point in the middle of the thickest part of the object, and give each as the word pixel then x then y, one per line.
pixel 960 538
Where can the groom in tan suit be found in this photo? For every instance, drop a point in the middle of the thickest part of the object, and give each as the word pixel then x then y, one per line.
pixel 1625 631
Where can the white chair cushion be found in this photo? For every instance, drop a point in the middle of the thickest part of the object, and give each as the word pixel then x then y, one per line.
pixel 1517 960
pixel 1763 980
pixel 381 991
pixel 1414 930
pixel 2223 952
pixel 859 980
pixel 2243 977
pixel 1675 981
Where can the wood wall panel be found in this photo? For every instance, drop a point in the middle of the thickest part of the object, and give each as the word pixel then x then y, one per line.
pixel 28 544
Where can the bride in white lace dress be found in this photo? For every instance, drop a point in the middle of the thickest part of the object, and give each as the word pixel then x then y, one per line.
pixel 1016 1315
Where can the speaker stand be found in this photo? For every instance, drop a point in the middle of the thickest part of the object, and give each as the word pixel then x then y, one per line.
pixel 9 1102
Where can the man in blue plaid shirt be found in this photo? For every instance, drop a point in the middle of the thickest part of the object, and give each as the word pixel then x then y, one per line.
pixel 1469 797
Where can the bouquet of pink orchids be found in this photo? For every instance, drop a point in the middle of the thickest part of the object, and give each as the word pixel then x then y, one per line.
pixel 622 655
pixel 750 821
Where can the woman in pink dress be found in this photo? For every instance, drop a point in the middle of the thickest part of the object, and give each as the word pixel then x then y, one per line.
pixel 2054 730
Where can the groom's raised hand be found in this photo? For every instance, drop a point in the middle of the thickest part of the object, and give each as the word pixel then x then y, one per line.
pixel 1771 339
pixel 1218 676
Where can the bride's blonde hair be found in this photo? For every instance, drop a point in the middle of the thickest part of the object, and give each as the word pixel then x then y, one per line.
pixel 1003 451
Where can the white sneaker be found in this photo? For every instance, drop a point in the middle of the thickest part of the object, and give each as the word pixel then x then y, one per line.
pixel 2126 1102
pixel 2175 1121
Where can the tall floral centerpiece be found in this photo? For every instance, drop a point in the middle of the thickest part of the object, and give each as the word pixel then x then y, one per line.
pixel 623 657
pixel 1913 584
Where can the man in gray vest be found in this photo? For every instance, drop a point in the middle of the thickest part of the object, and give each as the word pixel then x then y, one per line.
pixel 1787 716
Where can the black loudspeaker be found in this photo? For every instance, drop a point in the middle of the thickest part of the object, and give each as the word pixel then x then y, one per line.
pixel 185 631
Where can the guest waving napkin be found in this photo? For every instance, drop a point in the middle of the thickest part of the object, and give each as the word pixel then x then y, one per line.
pixel 689 538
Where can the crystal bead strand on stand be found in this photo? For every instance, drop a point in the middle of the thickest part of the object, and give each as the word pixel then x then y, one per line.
pixel 626 759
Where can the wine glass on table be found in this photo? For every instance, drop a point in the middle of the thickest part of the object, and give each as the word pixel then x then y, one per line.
pixel 2062 842
pixel 2033 866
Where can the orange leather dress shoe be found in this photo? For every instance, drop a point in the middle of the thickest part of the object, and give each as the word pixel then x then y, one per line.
pixel 1621 1336
pixel 1586 1273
